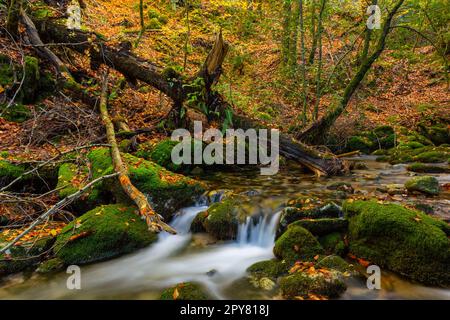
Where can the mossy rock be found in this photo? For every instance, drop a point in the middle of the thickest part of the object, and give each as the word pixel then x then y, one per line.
pixel 431 157
pixel 402 240
pixel 268 268
pixel 341 186
pixel 167 191
pixel 9 172
pixel 320 227
pixel 301 284
pixel 197 223
pixel 103 233
pixel 363 144
pixel 333 243
pixel 438 134
pixel 297 243
pixel 184 291
pixel 160 153
pixel 51 266
pixel 410 145
pixel 23 257
pixel 424 184
pixel 423 168
pixel 291 214
pixel 336 263
pixel 222 219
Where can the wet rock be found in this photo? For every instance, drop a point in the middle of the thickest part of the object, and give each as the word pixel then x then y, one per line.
pixel 52 265
pixel 399 239
pixel 184 291
pixel 319 227
pixel 423 168
pixel 102 233
pixel 297 243
pixel 263 283
pixel 341 186
pixel 423 184
pixel 302 284
pixel 336 263
pixel 268 268
pixel 392 189
pixel 333 243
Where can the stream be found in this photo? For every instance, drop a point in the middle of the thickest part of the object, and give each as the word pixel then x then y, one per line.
pixel 220 267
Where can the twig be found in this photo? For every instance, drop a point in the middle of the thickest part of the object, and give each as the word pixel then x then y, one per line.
pixel 50 160
pixel 64 202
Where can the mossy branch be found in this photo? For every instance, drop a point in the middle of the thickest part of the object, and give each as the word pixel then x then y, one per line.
pixel 152 219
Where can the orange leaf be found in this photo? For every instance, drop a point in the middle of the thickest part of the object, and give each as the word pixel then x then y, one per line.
pixel 175 294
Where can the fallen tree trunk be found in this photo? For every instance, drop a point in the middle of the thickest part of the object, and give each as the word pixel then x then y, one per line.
pixel 136 68
pixel 152 219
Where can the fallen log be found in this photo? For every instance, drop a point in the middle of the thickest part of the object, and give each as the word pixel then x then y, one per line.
pixel 134 67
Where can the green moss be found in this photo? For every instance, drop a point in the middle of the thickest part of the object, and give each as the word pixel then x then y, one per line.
pixel 297 243
pixel 303 284
pixel 199 220
pixel 268 268
pixel 424 184
pixel 333 243
pixel 17 112
pixel 334 262
pixel 422 168
pixel 102 233
pixel 185 291
pixel 162 155
pixel 402 240
pixel 362 144
pixel 222 218
pixel 52 265
pixel 431 157
pixel 153 24
pixel 9 171
pixel 319 227
pixel 166 190
pixel 410 145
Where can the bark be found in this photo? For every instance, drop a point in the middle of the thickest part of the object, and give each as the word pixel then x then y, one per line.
pixel 316 132
pixel 146 211
pixel 303 56
pixel 12 20
pixel 286 40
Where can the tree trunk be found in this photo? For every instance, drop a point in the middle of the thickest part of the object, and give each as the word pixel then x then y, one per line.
pixel 367 39
pixel 12 20
pixel 319 129
pixel 286 40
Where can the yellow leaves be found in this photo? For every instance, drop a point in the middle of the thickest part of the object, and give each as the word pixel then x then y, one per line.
pixel 45 230
pixel 53 232
pixel 1 89
pixel 176 294
pixel 316 257
pixel 79 236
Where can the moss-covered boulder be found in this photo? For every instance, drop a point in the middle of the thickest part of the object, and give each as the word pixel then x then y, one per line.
pixel 336 263
pixel 184 291
pixel 9 172
pixel 159 153
pixel 23 257
pixel 307 211
pixel 50 266
pixel 268 268
pixel 103 233
pixel 320 227
pixel 297 243
pixel 333 243
pixel 222 219
pixel 423 168
pixel 167 191
pixel 363 144
pixel 433 156
pixel 302 284
pixel 424 184
pixel 402 240
pixel 438 133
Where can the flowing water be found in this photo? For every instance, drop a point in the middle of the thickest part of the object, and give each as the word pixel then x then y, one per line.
pixel 220 267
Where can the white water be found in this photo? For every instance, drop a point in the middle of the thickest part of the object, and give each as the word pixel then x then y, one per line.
pixel 165 264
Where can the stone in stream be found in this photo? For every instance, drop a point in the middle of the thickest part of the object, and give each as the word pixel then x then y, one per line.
pixel 268 268
pixel 103 233
pixel 184 291
pixel 341 186
pixel 304 284
pixel 423 184
pixel 297 243
pixel 399 239
pixel 424 168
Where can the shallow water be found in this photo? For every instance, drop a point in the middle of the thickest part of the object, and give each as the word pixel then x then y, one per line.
pixel 220 266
